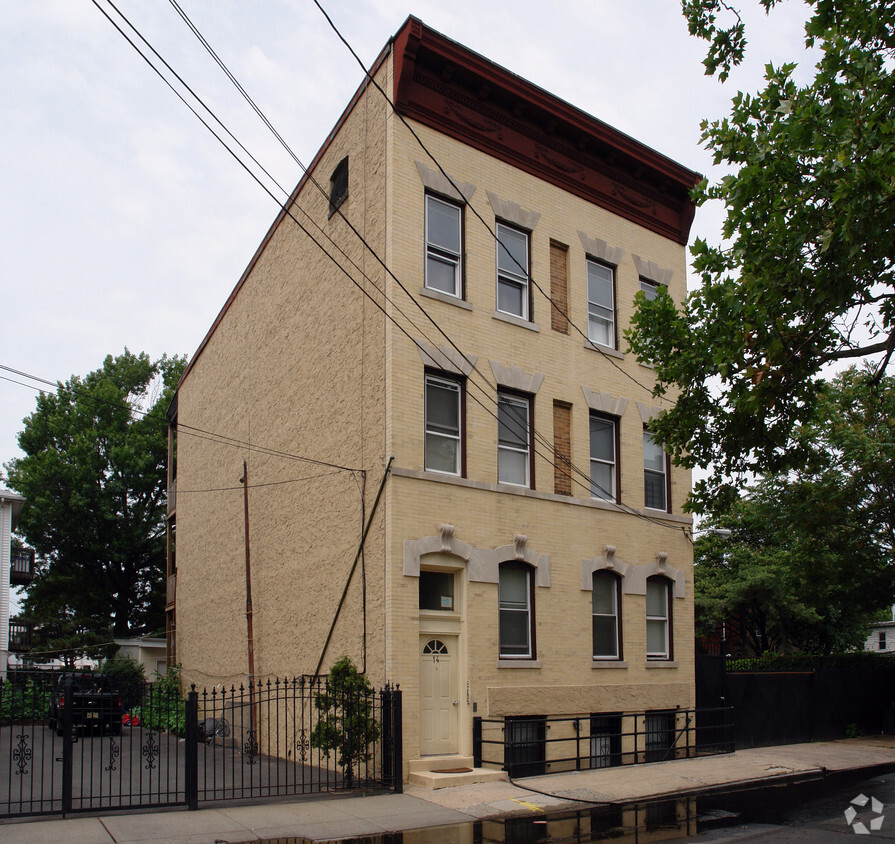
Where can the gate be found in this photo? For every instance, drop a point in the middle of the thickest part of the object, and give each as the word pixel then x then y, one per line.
pixel 272 738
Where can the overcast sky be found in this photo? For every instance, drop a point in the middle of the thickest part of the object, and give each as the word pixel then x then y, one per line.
pixel 124 223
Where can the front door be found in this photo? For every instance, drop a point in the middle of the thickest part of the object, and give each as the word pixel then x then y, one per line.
pixel 439 704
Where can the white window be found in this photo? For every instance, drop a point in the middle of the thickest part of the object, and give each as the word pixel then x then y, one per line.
pixel 602 458
pixel 444 246
pixel 605 615
pixel 512 272
pixel 513 440
pixel 514 595
pixel 655 473
pixel 443 425
pixel 601 304
pixel 658 618
pixel 649 288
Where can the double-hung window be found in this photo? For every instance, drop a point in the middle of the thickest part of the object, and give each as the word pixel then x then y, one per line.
pixel 444 246
pixel 444 421
pixel 513 296
pixel 600 304
pixel 650 289
pixel 516 611
pixel 606 617
pixel 603 464
pixel 658 618
pixel 513 440
pixel 655 473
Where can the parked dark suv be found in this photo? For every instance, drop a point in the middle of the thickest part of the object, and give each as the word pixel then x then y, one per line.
pixel 94 703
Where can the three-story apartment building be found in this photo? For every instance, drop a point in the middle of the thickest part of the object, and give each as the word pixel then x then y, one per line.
pixel 447 289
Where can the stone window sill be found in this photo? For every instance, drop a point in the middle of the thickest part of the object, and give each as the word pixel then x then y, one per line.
pixel 514 320
pixel 445 297
pixel 603 350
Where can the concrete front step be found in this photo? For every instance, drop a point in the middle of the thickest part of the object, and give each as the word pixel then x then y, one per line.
pixel 432 780
pixel 445 771
pixel 437 763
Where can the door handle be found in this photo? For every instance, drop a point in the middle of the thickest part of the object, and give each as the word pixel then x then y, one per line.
pixel 456 702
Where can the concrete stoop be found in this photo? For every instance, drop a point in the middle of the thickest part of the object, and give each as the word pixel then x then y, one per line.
pixel 446 771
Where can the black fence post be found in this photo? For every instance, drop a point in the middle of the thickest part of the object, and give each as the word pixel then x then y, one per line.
pixel 68 726
pixel 191 749
pixel 477 741
pixel 398 739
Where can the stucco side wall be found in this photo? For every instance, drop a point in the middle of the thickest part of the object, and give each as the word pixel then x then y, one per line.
pixel 293 370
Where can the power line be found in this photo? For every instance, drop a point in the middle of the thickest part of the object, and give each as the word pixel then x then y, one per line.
pixel 189 430
pixel 287 211
pixel 453 184
pixel 564 466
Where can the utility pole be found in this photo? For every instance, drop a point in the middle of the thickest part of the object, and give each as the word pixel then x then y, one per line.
pixel 249 624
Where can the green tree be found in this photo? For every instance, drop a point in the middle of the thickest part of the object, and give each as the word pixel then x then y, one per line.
pixel 346 724
pixel 94 478
pixel 804 276
pixel 809 560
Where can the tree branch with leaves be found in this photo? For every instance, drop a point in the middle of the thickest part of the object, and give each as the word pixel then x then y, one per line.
pixel 804 276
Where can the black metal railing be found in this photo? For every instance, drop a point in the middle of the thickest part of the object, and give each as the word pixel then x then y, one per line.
pixel 21 571
pixel 534 745
pixel 272 738
pixel 21 636
pixel 297 736
pixel 57 756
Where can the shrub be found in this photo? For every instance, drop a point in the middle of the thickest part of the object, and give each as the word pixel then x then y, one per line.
pixel 347 723
pixel 126 676
pixel 28 702
pixel 163 708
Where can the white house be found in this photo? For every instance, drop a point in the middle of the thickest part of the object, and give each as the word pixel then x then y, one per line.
pixel 11 505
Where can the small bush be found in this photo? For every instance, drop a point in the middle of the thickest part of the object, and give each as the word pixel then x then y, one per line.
pixel 28 702
pixel 162 707
pixel 126 676
pixel 347 723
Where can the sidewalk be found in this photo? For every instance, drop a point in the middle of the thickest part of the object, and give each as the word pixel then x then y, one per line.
pixel 332 818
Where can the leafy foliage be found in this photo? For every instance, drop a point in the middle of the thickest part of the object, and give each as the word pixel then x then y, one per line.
pixel 127 677
pixel 347 724
pixel 805 275
pixel 809 563
pixel 162 707
pixel 24 702
pixel 94 478
pixel 808 662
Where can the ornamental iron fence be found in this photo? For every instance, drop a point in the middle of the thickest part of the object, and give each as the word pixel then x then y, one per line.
pixel 65 748
pixel 532 745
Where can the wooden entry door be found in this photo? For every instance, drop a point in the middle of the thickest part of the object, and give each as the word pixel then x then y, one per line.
pixel 439 702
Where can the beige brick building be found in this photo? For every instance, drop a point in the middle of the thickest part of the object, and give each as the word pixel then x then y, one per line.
pixel 449 288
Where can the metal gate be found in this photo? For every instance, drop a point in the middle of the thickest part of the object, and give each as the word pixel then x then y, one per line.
pixel 273 738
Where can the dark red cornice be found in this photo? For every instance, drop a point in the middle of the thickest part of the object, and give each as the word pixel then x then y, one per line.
pixel 448 87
